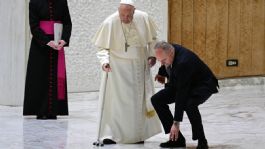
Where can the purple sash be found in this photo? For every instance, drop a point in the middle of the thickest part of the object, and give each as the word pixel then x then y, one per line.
pixel 48 28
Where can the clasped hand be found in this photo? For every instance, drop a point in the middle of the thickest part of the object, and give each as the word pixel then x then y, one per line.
pixel 58 46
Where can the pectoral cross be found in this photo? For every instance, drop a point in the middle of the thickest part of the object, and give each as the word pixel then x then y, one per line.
pixel 126 46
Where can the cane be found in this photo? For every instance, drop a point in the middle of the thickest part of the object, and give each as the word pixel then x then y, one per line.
pixel 98 142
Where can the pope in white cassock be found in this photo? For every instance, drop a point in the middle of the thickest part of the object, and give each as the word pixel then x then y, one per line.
pixel 125 41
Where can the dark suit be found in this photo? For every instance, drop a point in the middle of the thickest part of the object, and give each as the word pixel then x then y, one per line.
pixel 191 83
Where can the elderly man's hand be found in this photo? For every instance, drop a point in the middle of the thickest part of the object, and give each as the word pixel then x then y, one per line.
pixel 151 61
pixel 106 67
pixel 160 79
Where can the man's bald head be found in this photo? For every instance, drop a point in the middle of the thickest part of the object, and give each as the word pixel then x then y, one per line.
pixel 126 13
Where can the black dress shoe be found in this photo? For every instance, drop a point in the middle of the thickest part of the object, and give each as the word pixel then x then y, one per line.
pixel 202 144
pixel 170 144
pixel 108 141
pixel 140 142
pixel 52 117
pixel 41 117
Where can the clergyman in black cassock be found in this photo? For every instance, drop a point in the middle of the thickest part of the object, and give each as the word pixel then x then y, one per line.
pixel 42 81
pixel 190 84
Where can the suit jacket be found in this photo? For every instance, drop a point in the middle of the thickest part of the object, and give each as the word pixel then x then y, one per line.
pixel 189 77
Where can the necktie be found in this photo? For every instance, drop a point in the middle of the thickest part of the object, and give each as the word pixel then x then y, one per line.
pixel 168 69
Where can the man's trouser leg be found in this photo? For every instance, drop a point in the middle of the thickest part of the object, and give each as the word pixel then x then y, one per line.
pixel 160 102
pixel 194 116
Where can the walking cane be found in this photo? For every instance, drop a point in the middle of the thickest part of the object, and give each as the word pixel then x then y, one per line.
pixel 102 99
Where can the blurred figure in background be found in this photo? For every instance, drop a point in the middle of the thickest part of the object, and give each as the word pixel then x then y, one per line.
pixel 46 88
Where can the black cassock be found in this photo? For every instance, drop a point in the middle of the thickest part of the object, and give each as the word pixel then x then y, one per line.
pixel 41 79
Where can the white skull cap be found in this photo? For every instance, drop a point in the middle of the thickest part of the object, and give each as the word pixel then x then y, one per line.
pixel 128 2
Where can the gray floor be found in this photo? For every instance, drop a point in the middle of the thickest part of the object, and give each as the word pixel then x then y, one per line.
pixel 234 118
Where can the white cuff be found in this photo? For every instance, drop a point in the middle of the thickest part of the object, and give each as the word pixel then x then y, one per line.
pixel 103 56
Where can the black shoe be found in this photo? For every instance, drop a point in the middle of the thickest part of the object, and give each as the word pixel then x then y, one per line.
pixel 170 144
pixel 41 117
pixel 108 141
pixel 52 117
pixel 202 144
pixel 140 142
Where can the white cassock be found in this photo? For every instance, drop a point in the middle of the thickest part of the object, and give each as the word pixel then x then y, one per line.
pixel 128 115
